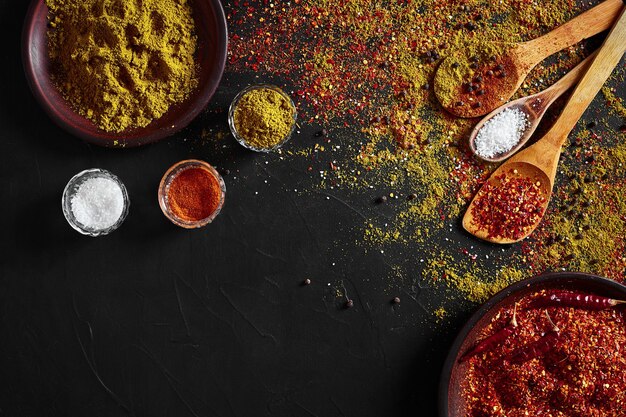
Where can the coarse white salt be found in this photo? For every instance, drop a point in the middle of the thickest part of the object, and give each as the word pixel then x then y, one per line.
pixel 501 133
pixel 98 203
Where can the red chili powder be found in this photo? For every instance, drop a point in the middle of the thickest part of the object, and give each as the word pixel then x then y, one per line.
pixel 194 194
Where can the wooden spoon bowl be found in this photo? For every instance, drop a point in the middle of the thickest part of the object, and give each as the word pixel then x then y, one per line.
pixel 534 106
pixel 511 171
pixel 470 86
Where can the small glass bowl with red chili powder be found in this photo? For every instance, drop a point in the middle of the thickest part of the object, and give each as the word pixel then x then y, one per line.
pixel 191 194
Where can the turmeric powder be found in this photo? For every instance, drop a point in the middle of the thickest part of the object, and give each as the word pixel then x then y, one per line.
pixel 264 117
pixel 122 64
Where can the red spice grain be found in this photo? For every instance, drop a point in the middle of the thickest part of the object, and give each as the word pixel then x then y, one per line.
pixel 509 206
pixel 582 374
pixel 194 194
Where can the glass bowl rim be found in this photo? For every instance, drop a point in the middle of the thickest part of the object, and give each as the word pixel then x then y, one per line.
pixel 76 181
pixel 241 139
pixel 167 179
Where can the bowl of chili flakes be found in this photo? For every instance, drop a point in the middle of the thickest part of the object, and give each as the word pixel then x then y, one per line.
pixel 550 378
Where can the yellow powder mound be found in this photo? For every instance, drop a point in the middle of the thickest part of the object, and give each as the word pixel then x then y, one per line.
pixel 122 64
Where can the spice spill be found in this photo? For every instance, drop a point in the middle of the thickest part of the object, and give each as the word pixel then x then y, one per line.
pixel 419 149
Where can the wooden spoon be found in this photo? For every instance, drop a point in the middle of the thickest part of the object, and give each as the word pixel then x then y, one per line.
pixel 472 86
pixel 539 161
pixel 534 106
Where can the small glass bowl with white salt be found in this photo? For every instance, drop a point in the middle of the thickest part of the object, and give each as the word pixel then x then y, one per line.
pixel 95 202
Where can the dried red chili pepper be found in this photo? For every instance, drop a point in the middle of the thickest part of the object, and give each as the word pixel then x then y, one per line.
pixel 492 341
pixel 574 299
pixel 538 348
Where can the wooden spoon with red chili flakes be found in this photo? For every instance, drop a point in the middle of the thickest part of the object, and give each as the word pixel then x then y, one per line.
pixel 512 203
pixel 472 86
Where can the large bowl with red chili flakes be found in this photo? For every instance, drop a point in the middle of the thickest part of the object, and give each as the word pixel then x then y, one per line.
pixel 559 359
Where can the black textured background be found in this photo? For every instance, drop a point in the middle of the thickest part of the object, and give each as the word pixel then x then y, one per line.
pixel 158 321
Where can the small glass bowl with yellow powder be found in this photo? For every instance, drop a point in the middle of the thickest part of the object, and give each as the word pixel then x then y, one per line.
pixel 262 117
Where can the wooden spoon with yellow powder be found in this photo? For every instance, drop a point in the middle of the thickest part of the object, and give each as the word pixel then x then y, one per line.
pixel 474 85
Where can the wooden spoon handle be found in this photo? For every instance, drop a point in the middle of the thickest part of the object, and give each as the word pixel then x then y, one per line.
pixel 600 69
pixel 567 81
pixel 587 24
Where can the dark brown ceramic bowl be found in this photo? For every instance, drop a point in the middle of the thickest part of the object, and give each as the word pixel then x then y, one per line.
pixel 211 58
pixel 450 401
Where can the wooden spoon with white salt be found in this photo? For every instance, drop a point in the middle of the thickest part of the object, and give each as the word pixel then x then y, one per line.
pixel 538 163
pixel 506 129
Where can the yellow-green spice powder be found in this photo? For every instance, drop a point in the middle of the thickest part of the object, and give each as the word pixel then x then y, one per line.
pixel 263 118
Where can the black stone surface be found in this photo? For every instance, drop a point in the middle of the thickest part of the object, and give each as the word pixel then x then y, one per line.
pixel 154 320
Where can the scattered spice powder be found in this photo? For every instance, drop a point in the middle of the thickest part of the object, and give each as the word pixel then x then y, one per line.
pixel 263 117
pixel 194 194
pixel 361 68
pixel 122 64
pixel 440 314
pixel 614 102
pixel 582 373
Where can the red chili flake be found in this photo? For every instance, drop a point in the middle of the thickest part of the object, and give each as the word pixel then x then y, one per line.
pixel 508 206
pixel 577 369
